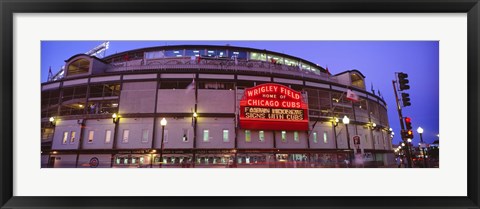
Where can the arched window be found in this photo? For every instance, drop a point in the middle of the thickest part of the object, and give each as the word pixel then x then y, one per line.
pixel 79 66
pixel 357 80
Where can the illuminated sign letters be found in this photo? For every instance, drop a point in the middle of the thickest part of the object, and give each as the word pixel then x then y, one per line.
pixel 273 107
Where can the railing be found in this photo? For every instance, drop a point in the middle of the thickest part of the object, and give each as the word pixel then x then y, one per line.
pixel 218 64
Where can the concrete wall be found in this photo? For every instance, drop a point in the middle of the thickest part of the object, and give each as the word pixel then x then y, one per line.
pixel 68 126
pixel 99 128
pixel 105 160
pixel 97 66
pixel 65 161
pixel 135 127
pixel 44 161
pixel 175 101
pixel 216 101
pixel 215 127
pixel 138 97
pixel 290 143
pixel 255 142
pixel 344 79
pixel 322 130
pixel 174 131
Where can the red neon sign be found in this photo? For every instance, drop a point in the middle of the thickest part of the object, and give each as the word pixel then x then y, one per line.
pixel 273 107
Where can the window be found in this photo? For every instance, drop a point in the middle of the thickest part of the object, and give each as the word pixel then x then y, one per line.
pixel 258 56
pixel 104 90
pixel 79 66
pixel 175 84
pixel 194 52
pixel 126 132
pixel 90 136
pixel 174 53
pixel 325 137
pixel 108 135
pixel 216 53
pixel 295 136
pixel 144 135
pixel 284 136
pixel 261 136
pixel 185 135
pixel 239 54
pixel 225 135
pixel 205 136
pixel 65 137
pixel 357 80
pixel 73 100
pixel 290 62
pixel 154 55
pixel 72 137
pixel 315 137
pixel 248 137
pixel 366 139
pixel 215 85
pixel 274 59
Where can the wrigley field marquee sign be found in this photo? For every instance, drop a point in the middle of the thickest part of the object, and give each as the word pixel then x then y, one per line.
pixel 273 107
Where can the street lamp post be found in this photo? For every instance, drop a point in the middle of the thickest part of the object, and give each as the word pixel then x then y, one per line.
pixel 346 121
pixel 420 131
pixel 163 123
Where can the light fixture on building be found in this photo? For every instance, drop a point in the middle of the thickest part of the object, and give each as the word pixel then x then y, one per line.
pixel 335 121
pixel 346 120
pixel 115 118
pixel 374 125
pixel 409 140
pixel 194 114
pixel 52 121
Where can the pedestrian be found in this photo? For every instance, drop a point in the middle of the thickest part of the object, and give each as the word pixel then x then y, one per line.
pixel 92 108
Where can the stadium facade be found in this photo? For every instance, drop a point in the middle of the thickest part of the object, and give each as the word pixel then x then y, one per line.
pixel 224 106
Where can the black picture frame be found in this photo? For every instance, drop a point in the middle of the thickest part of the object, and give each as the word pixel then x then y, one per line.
pixel 10 7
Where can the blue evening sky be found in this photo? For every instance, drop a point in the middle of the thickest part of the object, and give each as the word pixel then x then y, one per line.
pixel 377 60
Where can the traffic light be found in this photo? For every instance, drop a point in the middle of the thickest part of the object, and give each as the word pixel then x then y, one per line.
pixel 408 123
pixel 403 81
pixel 409 134
pixel 406 99
pixel 408 127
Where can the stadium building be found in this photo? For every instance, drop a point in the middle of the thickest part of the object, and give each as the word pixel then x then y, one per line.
pixel 210 106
